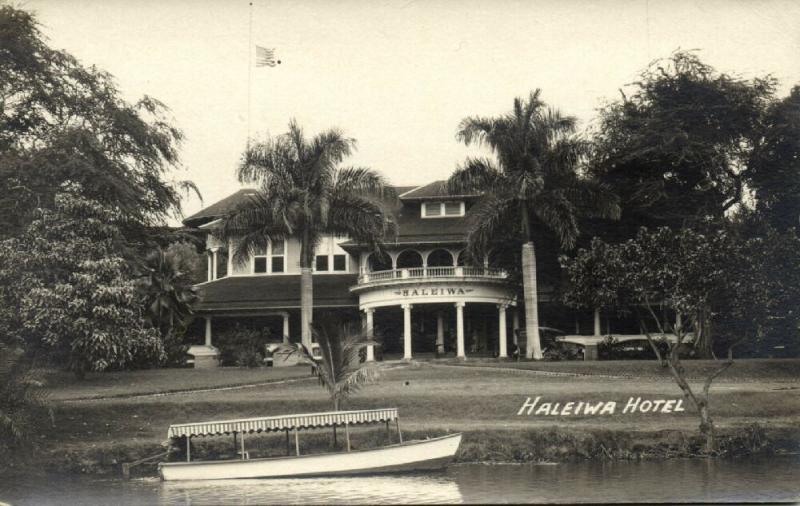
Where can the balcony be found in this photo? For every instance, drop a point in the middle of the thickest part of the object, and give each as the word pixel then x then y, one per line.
pixel 416 274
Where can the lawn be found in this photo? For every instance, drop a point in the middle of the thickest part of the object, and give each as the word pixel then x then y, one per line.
pixel 742 370
pixel 65 386
pixel 432 399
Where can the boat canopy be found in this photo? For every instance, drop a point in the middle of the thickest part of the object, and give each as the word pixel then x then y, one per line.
pixel 282 423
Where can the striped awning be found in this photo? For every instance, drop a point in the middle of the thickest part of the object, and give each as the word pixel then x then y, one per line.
pixel 284 422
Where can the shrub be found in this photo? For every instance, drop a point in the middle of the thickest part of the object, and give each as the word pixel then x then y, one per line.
pixel 242 346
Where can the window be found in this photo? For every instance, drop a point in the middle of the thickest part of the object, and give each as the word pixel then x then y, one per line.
pixel 340 262
pixel 270 259
pixel 442 209
pixel 452 208
pixel 433 209
pixel 260 261
pixel 278 256
pixel 322 263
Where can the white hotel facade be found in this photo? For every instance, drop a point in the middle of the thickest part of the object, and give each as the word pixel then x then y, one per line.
pixel 421 298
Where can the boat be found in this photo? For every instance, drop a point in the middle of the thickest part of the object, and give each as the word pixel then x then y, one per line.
pixel 417 455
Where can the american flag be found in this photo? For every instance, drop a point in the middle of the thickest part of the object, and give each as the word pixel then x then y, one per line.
pixel 265 57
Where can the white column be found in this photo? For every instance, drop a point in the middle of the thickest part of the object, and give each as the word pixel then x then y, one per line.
pixel 406 331
pixel 286 328
pixel 208 331
pixel 501 311
pixel 214 260
pixel 210 257
pixel 370 334
pixel 515 325
pixel 439 332
pixel 678 321
pixel 597 330
pixel 230 258
pixel 460 329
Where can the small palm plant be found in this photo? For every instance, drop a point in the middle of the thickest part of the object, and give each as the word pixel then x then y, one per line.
pixel 339 365
pixel 22 398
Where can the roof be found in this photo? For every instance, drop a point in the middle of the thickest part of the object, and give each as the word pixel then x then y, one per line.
pixel 282 423
pixel 244 293
pixel 436 189
pixel 229 203
pixel 218 209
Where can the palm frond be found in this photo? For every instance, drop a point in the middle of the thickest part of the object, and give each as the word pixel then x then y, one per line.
pixel 475 175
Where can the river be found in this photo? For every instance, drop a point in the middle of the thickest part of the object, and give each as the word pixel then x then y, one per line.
pixel 679 480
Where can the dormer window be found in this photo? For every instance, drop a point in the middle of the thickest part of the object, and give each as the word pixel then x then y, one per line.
pixel 448 209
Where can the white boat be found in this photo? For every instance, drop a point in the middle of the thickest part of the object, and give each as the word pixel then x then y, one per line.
pixel 433 453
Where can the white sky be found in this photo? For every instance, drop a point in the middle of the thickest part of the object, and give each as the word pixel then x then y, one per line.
pixel 397 75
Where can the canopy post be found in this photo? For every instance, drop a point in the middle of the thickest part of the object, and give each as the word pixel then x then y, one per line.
pixel 288 444
pixel 347 434
pixel 241 441
pixel 296 441
pixel 399 434
pixel 188 449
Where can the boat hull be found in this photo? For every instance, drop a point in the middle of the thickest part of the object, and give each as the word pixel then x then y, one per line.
pixel 411 456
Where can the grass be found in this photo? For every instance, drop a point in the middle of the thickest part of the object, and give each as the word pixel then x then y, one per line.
pixel 432 400
pixel 65 386
pixel 742 370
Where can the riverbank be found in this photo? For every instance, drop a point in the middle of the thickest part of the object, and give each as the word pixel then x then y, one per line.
pixel 124 416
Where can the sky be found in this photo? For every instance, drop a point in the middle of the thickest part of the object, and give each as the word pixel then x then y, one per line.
pixel 396 75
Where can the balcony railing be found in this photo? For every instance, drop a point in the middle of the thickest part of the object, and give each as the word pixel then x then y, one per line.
pixel 377 277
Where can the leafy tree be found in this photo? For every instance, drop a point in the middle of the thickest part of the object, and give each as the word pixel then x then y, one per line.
pixel 775 164
pixel 533 184
pixel 671 280
pixel 61 121
pixel 75 301
pixel 680 147
pixel 168 294
pixel 303 193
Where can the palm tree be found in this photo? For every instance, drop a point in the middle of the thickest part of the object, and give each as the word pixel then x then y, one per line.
pixel 168 291
pixel 302 192
pixel 534 180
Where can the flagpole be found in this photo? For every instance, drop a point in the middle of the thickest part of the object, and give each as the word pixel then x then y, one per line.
pixel 249 71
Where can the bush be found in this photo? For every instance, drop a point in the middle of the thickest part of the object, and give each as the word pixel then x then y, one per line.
pixel 243 346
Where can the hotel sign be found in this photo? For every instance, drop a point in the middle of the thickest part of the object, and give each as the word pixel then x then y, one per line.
pixel 433 292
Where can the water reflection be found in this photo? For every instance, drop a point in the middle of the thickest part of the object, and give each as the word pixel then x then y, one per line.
pixel 771 479
pixel 432 489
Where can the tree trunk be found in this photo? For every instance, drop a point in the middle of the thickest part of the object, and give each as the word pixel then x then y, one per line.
pixel 703 340
pixel 306 291
pixel 306 305
pixel 533 345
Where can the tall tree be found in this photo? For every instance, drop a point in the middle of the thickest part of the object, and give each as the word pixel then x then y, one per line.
pixel 304 193
pixel 534 183
pixel 775 163
pixel 61 122
pixel 678 146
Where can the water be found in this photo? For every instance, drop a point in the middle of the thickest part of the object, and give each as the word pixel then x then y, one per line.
pixel 689 480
